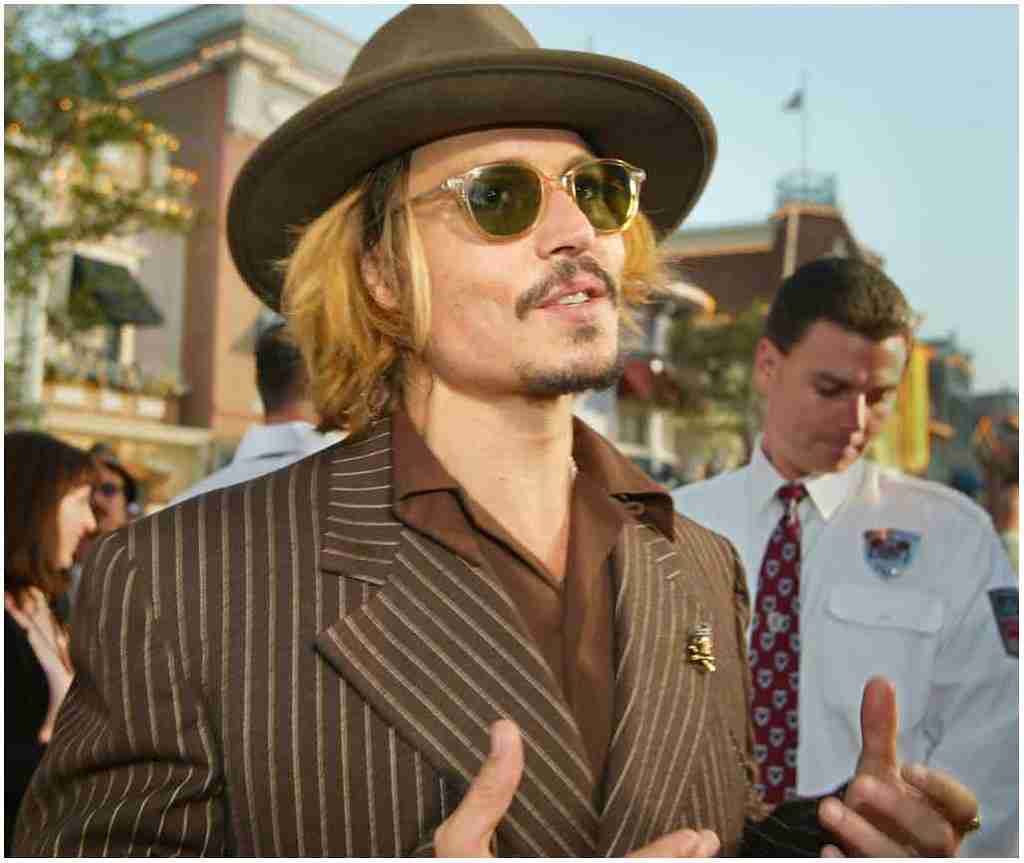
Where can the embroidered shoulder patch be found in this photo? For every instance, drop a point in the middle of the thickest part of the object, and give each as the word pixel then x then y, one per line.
pixel 1004 607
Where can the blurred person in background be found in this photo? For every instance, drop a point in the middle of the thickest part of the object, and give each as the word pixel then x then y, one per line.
pixel 286 433
pixel 47 486
pixel 996 442
pixel 115 497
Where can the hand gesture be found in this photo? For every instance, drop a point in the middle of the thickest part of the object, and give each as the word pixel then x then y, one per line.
pixel 892 809
pixel 469 831
pixel 49 642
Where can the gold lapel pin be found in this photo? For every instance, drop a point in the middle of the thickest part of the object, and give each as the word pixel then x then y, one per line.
pixel 699 648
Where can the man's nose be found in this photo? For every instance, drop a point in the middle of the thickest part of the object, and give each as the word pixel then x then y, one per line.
pixel 563 228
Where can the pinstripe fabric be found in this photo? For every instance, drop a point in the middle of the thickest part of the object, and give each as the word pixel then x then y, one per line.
pixel 283 668
pixel 678 754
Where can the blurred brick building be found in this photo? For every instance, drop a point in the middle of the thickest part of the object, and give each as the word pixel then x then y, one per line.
pixel 221 78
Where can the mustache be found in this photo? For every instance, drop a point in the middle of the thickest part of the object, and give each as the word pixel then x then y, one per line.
pixel 563 272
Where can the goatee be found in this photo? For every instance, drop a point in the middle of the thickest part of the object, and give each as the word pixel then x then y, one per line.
pixel 570 381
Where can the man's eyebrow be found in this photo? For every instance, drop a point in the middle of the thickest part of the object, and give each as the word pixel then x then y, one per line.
pixel 829 378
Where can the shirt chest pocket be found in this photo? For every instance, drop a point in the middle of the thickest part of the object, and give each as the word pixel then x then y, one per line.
pixel 873 630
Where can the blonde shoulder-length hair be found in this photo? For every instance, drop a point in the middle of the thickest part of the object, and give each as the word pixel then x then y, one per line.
pixel 355 348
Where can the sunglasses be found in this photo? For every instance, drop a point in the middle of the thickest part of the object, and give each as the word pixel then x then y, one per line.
pixel 108 489
pixel 504 200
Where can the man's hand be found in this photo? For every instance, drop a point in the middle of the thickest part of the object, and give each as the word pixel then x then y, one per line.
pixel 892 809
pixel 681 843
pixel 469 830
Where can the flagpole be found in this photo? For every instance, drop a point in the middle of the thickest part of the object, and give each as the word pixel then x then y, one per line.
pixel 803 128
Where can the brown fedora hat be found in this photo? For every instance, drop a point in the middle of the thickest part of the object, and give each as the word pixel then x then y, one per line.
pixel 432 72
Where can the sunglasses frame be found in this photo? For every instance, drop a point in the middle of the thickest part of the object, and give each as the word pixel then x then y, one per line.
pixel 459 186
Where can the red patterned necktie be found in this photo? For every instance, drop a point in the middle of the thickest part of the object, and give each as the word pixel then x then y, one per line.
pixel 775 653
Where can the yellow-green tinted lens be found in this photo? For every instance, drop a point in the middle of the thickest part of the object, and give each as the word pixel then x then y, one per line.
pixel 604 192
pixel 504 199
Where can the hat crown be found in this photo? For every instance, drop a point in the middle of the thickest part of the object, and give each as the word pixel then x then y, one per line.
pixel 426 33
pixel 436 71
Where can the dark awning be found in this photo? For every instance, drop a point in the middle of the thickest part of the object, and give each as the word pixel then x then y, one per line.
pixel 116 292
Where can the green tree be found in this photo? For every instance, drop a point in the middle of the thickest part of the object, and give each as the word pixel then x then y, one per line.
pixel 81 163
pixel 713 360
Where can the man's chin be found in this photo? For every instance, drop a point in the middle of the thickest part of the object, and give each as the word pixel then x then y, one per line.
pixel 572 379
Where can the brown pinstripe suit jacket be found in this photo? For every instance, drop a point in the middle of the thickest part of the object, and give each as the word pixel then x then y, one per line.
pixel 283 668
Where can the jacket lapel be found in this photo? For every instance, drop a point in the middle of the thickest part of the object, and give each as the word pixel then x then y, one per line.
pixel 661 700
pixel 437 650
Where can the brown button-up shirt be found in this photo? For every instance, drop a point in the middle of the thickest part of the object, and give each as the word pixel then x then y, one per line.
pixel 570 621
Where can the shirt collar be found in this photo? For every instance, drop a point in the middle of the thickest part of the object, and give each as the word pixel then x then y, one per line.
pixel 826 490
pixel 415 468
pixel 601 463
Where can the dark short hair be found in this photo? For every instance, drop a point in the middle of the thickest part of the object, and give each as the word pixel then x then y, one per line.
pixel 849 293
pixel 39 470
pixel 280 374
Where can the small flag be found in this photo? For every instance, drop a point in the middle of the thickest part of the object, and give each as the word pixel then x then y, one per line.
pixel 794 102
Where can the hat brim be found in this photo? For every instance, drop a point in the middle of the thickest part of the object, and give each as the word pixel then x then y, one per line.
pixel 621 109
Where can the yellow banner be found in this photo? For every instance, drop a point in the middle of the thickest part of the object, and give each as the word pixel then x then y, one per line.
pixel 905 441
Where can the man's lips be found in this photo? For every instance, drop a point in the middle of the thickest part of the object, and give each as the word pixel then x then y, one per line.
pixel 565 279
pixel 592 288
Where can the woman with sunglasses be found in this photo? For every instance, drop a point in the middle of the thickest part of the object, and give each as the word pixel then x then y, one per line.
pixel 46 514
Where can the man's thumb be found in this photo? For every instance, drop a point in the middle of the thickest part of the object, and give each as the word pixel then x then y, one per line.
pixel 879 727
pixel 467 831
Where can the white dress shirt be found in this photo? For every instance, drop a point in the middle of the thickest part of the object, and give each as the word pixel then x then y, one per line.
pixel 930 628
pixel 262 449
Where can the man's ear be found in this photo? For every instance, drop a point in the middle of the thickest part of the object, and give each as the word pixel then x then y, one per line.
pixel 375 282
pixel 767 358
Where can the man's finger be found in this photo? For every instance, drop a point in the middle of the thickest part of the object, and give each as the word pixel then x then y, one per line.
pixel 681 843
pixel 879 727
pixel 468 830
pixel 889 818
pixel 953 800
pixel 858 836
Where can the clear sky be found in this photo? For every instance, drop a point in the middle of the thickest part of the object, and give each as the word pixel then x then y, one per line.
pixel 914 108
